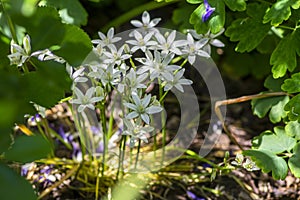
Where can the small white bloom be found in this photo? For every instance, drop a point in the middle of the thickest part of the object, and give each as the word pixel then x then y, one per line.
pixel 106 40
pixel 76 75
pixel 194 48
pixel 158 66
pixel 141 108
pixel 133 81
pixel 136 132
pixel 85 100
pixel 249 165
pixel 211 39
pixel 141 42
pixel 115 56
pixel 147 24
pixel 19 55
pixel 169 44
pixel 177 81
pixel 239 159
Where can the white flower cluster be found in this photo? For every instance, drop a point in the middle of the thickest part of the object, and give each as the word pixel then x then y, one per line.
pixel 121 68
pixel 249 165
pixel 19 55
pixel 150 55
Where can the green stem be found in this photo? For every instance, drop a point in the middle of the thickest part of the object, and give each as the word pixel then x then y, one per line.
pixel 47 138
pixel 104 129
pixel 137 155
pixel 162 98
pixel 162 122
pixel 9 22
pixel 183 63
pixel 97 182
pixel 134 12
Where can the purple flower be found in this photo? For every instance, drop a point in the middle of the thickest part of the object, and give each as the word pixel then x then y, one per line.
pixel 208 11
pixel 193 196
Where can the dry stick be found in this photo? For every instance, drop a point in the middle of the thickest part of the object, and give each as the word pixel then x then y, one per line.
pixel 239 100
pixel 49 189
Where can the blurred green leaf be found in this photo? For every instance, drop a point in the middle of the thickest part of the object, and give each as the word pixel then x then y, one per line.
pixel 13 186
pixel 268 44
pixel 242 64
pixel 292 85
pixel 28 148
pixel 268 161
pixel 273 84
pixel 293 129
pixel 237 5
pixel 283 57
pixel 277 142
pixel 48 84
pixel 249 32
pixel 75 45
pixel 5 138
pixel 181 16
pixel 44 27
pixel 294 161
pixel 280 11
pixel 71 11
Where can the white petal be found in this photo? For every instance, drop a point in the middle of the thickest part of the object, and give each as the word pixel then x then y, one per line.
pixel 132 115
pixel 136 23
pixel 146 18
pixel 154 22
pixel 171 37
pixel 153 109
pixel 146 100
pixel 145 118
pixel 217 43
pixel 110 33
pixel 179 87
pixel 130 105
pixel 185 82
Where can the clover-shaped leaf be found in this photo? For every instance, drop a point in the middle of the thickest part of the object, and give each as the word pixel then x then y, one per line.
pixel 292 85
pixel 293 107
pixel 276 105
pixel 293 129
pixel 268 161
pixel 277 142
pixel 280 11
pixel 249 32
pixel 283 57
